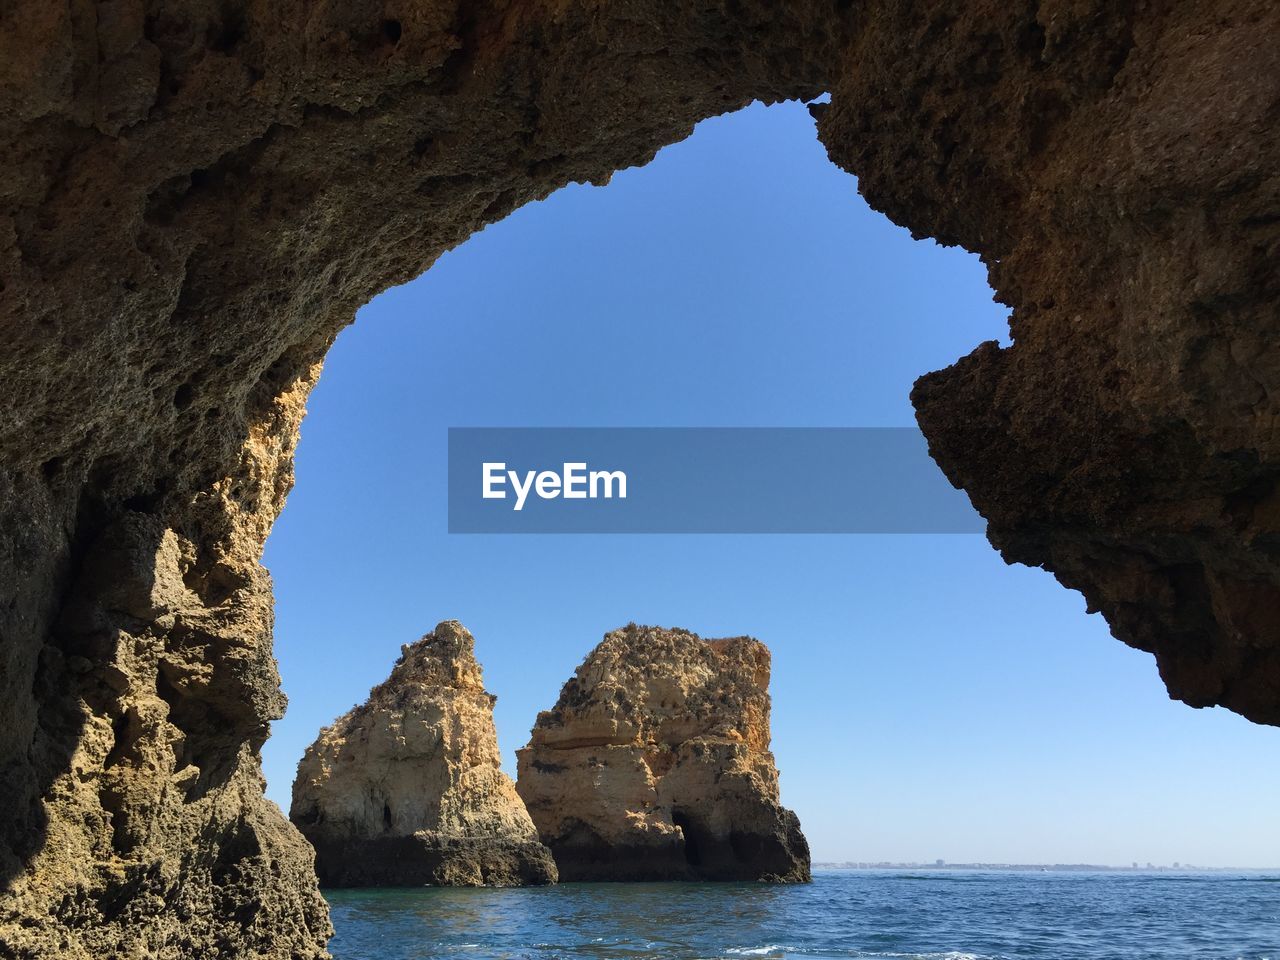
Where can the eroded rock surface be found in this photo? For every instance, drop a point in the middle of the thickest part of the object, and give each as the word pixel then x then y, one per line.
pixel 407 788
pixel 654 764
pixel 1121 180
pixel 195 197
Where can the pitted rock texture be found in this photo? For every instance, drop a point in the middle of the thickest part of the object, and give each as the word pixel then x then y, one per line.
pixel 407 788
pixel 1121 180
pixel 155 840
pixel 654 764
pixel 195 197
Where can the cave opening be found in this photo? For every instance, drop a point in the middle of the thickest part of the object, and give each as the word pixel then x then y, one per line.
pixel 692 849
pixel 174 328
pixel 738 279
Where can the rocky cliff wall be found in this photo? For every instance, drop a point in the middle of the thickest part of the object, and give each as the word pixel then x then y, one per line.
pixel 407 788
pixel 654 764
pixel 1120 180
pixel 195 197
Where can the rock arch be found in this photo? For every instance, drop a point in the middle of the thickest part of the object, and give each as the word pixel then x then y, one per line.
pixel 197 197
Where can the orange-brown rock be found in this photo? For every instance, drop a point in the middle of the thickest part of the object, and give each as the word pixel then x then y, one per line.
pixel 195 197
pixel 407 788
pixel 654 764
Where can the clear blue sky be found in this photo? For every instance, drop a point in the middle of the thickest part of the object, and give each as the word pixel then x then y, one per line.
pixel 928 700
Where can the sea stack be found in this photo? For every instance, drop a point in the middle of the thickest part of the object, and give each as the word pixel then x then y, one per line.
pixel 407 789
pixel 654 764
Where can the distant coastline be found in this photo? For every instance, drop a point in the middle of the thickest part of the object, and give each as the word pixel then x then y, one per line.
pixel 1039 867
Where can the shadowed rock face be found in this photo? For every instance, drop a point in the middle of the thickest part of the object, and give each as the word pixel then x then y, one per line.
pixel 1121 181
pixel 407 788
pixel 654 764
pixel 194 198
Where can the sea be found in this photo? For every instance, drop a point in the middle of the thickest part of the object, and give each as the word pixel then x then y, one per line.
pixel 925 914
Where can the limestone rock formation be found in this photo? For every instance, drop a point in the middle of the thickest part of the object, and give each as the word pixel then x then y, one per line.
pixel 654 764
pixel 195 197
pixel 1121 181
pixel 406 789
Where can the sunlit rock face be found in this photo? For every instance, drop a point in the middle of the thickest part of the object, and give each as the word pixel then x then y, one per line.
pixel 406 789
pixel 654 764
pixel 196 197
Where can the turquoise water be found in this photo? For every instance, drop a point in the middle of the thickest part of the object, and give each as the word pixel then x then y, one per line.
pixel 941 915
